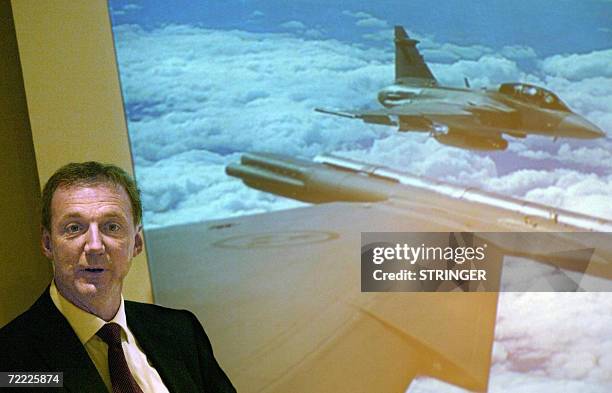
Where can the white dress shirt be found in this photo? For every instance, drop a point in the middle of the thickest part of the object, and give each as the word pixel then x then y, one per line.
pixel 86 325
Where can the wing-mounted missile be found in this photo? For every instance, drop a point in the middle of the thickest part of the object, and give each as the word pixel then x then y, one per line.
pixel 336 179
pixel 330 178
pixel 305 180
pixel 374 117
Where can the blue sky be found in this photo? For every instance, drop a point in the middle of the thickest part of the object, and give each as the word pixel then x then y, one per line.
pixel 548 26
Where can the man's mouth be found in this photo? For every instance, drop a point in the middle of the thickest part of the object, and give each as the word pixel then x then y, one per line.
pixel 94 270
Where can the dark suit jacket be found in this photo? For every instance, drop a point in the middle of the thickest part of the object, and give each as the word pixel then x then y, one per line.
pixel 175 343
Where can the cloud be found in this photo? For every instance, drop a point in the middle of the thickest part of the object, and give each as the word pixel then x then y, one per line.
pixel 486 71
pixel 537 332
pixel 452 52
pixel 371 22
pixel 567 189
pixel 383 35
pixel 313 33
pixel 518 52
pixel 596 156
pixel 357 15
pixel 580 66
pixel 293 25
pixel 576 192
pixel 125 9
pixel 366 20
pixel 132 7
pixel 546 342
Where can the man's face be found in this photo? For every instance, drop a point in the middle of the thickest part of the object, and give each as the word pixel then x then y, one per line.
pixel 92 241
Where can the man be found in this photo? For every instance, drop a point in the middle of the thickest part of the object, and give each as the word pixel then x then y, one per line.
pixel 81 325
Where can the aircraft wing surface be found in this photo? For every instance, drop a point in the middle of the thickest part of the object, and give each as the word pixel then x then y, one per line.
pixel 280 297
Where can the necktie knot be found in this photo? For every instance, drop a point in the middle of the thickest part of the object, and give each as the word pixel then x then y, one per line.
pixel 110 333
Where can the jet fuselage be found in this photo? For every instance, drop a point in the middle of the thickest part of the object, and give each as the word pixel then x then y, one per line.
pixel 493 111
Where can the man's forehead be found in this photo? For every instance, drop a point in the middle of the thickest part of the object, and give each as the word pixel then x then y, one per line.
pixel 66 196
pixel 91 188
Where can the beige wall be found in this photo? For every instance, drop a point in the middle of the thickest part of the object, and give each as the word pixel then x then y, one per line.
pixel 73 99
pixel 24 272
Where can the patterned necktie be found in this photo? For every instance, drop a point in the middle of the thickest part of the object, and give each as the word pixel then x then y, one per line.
pixel 122 380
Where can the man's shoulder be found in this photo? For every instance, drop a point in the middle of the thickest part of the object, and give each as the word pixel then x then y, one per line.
pixel 156 311
pixel 21 338
pixel 15 339
pixel 21 326
pixel 18 327
pixel 153 324
pixel 160 317
pixel 162 325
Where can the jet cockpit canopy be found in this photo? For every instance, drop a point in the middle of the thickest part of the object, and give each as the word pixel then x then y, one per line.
pixel 534 95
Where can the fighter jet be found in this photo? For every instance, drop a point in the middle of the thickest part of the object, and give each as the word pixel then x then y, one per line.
pixel 464 117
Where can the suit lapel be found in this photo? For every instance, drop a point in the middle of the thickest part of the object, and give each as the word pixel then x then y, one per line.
pixel 61 348
pixel 157 344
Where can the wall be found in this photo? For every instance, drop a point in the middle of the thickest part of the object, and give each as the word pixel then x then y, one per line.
pixel 75 114
pixel 24 271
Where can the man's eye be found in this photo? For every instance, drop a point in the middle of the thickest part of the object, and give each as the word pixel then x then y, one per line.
pixel 73 228
pixel 113 227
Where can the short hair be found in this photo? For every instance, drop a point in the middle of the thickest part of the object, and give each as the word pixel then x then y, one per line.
pixel 87 174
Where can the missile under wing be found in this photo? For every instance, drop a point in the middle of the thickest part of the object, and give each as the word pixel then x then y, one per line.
pixel 279 293
pixel 463 117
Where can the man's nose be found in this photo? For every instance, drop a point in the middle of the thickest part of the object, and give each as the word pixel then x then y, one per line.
pixel 93 243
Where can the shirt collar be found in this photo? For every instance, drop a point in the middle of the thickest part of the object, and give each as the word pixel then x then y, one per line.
pixel 84 324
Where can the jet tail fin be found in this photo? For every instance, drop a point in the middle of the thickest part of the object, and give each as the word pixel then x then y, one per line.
pixel 409 63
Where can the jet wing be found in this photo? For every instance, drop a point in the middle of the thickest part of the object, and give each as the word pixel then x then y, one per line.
pixel 279 293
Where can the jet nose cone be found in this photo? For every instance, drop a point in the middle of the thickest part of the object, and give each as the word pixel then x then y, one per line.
pixel 578 127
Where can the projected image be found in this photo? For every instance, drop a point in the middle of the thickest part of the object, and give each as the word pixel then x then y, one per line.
pixel 204 83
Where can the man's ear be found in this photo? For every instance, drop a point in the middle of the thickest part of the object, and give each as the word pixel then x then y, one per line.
pixel 138 241
pixel 46 243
